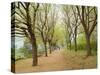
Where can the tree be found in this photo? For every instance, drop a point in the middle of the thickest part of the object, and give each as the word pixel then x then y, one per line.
pixel 51 26
pixel 23 23
pixel 88 18
pixel 75 24
pixel 68 24
pixel 42 24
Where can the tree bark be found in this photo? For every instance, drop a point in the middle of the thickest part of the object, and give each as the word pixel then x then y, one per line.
pixel 75 39
pixel 88 45
pixel 45 43
pixel 45 49
pixel 70 44
pixel 34 49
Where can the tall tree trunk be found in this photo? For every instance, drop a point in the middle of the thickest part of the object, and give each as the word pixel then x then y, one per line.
pixel 75 39
pixel 75 44
pixel 34 49
pixel 50 49
pixel 88 45
pixel 45 45
pixel 70 44
pixel 46 50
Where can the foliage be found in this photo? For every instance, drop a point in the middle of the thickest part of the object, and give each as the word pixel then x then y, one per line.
pixel 20 53
pixel 81 43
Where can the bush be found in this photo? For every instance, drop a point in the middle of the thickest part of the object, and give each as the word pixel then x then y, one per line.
pixel 20 54
pixel 27 53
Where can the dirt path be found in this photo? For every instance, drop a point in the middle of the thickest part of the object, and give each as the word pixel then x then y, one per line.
pixel 56 61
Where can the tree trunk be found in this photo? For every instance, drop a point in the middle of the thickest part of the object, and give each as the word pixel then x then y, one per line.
pixel 88 45
pixel 49 42
pixel 70 44
pixel 75 44
pixel 75 40
pixel 45 49
pixel 50 49
pixel 34 49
